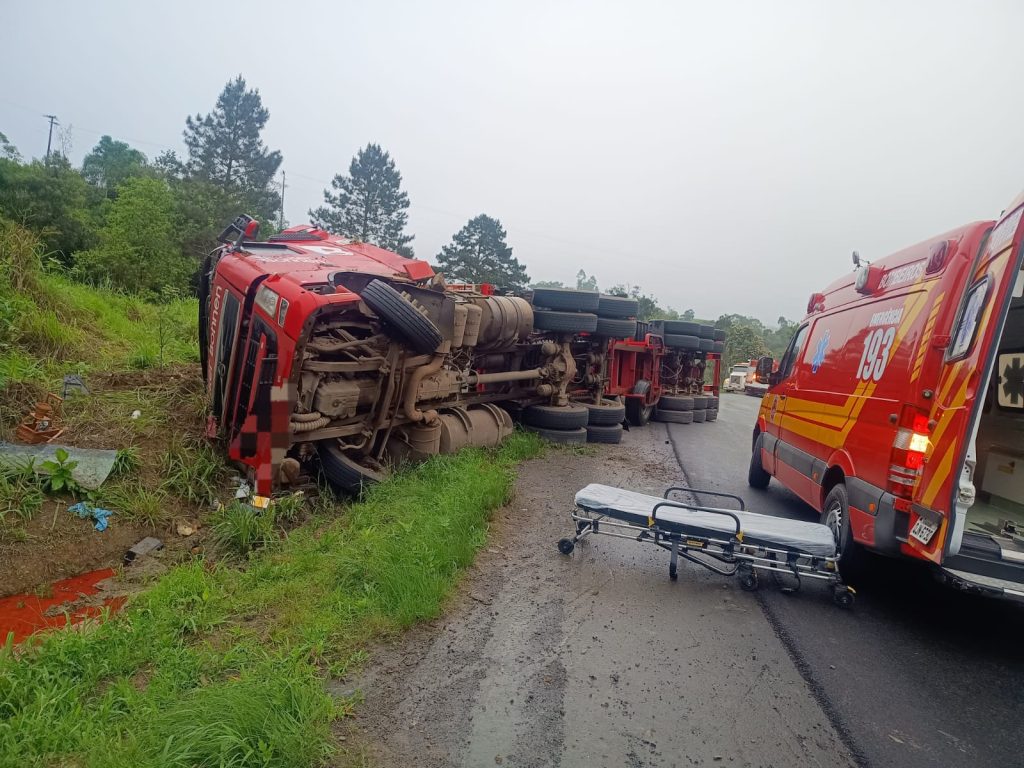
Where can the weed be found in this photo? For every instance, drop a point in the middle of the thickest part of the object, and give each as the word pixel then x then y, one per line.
pixel 288 508
pixel 16 368
pixel 20 492
pixel 45 334
pixel 143 358
pixel 192 469
pixel 57 473
pixel 138 503
pixel 239 528
pixel 126 461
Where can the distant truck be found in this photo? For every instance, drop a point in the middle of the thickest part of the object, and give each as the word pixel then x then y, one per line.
pixel 898 408
pixel 738 376
pixel 321 354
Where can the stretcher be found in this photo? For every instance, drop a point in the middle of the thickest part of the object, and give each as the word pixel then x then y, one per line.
pixel 730 542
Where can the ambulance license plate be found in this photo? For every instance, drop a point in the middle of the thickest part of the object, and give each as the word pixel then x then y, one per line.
pixel 923 530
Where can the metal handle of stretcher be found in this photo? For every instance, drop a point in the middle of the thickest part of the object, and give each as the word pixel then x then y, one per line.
pixel 738 535
pixel 698 491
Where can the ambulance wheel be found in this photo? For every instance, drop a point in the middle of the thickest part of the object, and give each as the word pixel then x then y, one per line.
pixel 835 515
pixel 757 477
pixel 842 596
pixel 398 312
pixel 566 546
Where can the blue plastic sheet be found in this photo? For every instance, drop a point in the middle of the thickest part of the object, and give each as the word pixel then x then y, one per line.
pixel 84 511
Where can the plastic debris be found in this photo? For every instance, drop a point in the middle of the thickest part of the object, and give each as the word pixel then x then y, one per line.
pixel 144 547
pixel 92 465
pixel 136 413
pixel 84 510
pixel 243 491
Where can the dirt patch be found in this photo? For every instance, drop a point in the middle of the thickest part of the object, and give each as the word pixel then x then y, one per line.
pixel 593 659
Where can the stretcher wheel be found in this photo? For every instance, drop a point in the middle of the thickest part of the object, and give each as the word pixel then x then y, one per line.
pixel 843 596
pixel 566 546
pixel 748 580
pixel 673 573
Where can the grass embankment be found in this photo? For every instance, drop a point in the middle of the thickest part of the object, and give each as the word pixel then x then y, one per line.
pixel 217 666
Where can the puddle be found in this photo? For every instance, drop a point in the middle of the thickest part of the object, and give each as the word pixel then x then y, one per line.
pixel 66 600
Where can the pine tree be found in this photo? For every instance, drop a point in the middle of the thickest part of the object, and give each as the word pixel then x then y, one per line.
pixel 479 254
pixel 369 204
pixel 226 150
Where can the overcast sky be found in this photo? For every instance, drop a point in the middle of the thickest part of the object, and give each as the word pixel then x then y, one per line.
pixel 725 156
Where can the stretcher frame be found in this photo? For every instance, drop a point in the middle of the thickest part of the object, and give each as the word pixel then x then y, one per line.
pixel 725 556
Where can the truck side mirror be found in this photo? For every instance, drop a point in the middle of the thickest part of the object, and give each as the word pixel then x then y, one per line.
pixel 764 368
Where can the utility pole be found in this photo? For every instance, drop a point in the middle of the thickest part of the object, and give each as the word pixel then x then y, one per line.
pixel 49 138
pixel 280 222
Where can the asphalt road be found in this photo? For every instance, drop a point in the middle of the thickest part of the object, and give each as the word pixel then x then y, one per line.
pixel 916 674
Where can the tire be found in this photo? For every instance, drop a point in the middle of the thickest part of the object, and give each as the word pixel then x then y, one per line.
pixel 566 299
pixel 757 477
pixel 707 332
pixel 615 329
pixel 700 402
pixel 706 345
pixel 712 414
pixel 566 322
pixel 607 413
pixel 572 416
pixel 563 436
pixel 682 342
pixel 342 472
pixel 641 387
pixel 675 403
pixel 712 402
pixel 719 347
pixel 617 306
pixel 637 413
pixel 719 335
pixel 684 327
pixel 835 515
pixel 610 434
pixel 700 415
pixel 566 546
pixel 399 313
pixel 674 417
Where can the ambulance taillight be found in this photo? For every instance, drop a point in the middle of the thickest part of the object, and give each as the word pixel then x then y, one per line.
pixel 909 449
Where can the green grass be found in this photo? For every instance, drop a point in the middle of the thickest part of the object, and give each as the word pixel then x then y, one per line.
pixel 21 494
pixel 215 666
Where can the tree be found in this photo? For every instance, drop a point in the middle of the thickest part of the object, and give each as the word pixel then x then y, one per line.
pixel 647 305
pixel 225 149
pixel 7 150
pixel 547 284
pixel 369 204
pixel 112 162
pixel 478 254
pixel 743 343
pixel 585 283
pixel 139 248
pixel 687 315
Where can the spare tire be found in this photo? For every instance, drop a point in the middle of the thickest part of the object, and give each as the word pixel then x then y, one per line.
pixel 700 402
pixel 617 306
pixel 699 416
pixel 719 334
pixel 571 416
pixel 395 310
pixel 712 414
pixel 691 343
pixel 561 435
pixel 564 322
pixel 706 345
pixel 712 402
pixel 615 329
pixel 676 417
pixel 675 403
pixel 608 412
pixel 684 327
pixel 342 472
pixel 707 332
pixel 566 299
pixel 611 434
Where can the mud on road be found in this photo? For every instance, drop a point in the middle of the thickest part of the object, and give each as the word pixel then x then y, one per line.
pixel 596 659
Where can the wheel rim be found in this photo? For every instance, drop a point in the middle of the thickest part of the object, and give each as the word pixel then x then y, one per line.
pixel 834 521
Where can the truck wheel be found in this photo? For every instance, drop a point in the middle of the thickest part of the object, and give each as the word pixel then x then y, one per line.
pixel 566 322
pixel 615 329
pixel 719 347
pixel 611 434
pixel 685 327
pixel 707 345
pixel 675 403
pixel 673 417
pixel 700 415
pixel 712 402
pixel 700 401
pixel 676 341
pixel 572 416
pixel 835 515
pixel 617 306
pixel 637 413
pixel 719 335
pixel 712 414
pixel 561 435
pixel 757 477
pixel 395 310
pixel 707 332
pixel 342 472
pixel 607 413
pixel 566 299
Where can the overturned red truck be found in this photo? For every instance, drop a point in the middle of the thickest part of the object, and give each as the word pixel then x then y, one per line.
pixel 320 352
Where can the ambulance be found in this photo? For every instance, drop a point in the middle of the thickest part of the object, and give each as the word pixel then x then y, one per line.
pixel 897 411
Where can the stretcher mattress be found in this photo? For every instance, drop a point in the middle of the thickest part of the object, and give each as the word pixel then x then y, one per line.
pixel 760 530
